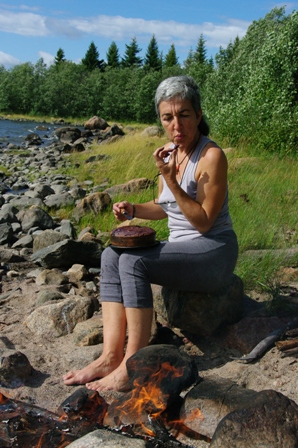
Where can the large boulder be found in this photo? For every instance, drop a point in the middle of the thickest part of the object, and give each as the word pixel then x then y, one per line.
pixel 96 203
pixel 271 420
pixel 201 313
pixel 96 123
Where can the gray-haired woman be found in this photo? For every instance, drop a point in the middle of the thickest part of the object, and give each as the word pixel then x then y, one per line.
pixel 202 249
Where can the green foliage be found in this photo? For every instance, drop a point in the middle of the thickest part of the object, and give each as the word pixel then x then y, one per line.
pixel 152 58
pixel 171 57
pixel 60 56
pixel 252 94
pixel 131 58
pixel 113 57
pixel 91 60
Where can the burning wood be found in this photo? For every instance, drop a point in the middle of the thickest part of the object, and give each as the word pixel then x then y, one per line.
pixel 29 426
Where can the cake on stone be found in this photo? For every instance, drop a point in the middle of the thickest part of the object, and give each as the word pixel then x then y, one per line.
pixel 133 236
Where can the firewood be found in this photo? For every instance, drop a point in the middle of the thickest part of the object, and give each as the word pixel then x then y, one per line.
pixel 291 352
pixel 292 333
pixel 288 344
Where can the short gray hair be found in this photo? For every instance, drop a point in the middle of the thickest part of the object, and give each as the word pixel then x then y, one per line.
pixel 183 86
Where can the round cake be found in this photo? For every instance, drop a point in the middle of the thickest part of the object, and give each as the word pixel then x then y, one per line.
pixel 133 236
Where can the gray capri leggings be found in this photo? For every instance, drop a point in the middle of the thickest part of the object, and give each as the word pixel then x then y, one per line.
pixel 204 264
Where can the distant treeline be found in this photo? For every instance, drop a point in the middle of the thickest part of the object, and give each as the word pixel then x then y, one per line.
pixel 249 90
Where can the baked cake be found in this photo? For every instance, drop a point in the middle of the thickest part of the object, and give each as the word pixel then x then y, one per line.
pixel 133 236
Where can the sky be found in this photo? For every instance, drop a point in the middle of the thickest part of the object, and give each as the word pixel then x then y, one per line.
pixel 34 29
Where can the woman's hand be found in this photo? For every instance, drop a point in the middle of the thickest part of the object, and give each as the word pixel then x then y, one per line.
pixel 167 168
pixel 123 210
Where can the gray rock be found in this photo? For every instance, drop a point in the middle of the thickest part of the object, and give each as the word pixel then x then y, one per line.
pixel 47 295
pixel 6 233
pixel 201 313
pixel 46 238
pixel 94 203
pixel 36 216
pixel 25 241
pixel 209 401
pixel 68 252
pixel 271 420
pixel 107 439
pixel 15 368
pixel 89 332
pixel 59 319
pixel 59 200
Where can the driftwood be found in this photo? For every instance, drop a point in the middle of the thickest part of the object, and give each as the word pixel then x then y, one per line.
pixel 287 344
pixel 268 342
pixel 290 352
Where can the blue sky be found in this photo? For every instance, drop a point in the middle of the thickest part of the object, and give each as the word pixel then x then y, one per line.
pixel 31 29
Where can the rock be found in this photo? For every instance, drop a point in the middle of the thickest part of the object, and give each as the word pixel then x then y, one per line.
pixel 211 400
pixel 47 295
pixel 55 320
pixel 134 185
pixel 201 313
pixel 59 200
pixel 47 238
pixel 164 365
pixel 271 420
pixel 51 277
pixel 108 439
pixel 33 139
pixel 94 203
pixel 96 123
pixel 68 134
pixel 25 241
pixel 77 273
pixel 153 131
pixel 89 332
pixel 6 233
pixel 68 252
pixel 36 216
pixel 15 368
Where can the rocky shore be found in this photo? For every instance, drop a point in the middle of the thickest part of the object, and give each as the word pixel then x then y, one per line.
pixel 50 317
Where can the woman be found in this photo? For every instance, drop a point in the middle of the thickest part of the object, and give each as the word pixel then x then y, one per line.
pixel 202 249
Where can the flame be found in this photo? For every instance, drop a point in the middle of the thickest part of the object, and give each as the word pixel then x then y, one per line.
pixel 148 400
pixel 3 399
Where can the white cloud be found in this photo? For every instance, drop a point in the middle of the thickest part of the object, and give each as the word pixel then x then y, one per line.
pixel 120 28
pixel 7 60
pixel 47 57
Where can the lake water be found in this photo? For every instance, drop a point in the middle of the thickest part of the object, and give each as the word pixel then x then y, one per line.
pixel 16 132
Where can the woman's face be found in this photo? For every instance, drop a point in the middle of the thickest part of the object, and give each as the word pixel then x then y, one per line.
pixel 180 121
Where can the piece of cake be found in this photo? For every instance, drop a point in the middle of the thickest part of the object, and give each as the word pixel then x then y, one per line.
pixel 133 236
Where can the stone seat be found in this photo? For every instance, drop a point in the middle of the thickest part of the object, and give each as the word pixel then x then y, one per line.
pixel 200 313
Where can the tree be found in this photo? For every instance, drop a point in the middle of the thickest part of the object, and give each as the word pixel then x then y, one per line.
pixel 200 53
pixel 91 60
pixel 152 57
pixel 60 56
pixel 130 58
pixel 171 58
pixel 113 56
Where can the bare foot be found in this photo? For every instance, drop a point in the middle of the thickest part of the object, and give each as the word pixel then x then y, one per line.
pixel 116 380
pixel 96 369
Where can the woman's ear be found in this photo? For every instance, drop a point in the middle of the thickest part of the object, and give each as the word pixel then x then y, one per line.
pixel 199 117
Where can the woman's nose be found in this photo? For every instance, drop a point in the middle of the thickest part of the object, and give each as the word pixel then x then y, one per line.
pixel 177 122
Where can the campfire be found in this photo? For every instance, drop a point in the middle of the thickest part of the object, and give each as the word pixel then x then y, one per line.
pixel 150 410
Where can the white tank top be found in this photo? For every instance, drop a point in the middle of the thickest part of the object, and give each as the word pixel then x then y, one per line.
pixel 180 228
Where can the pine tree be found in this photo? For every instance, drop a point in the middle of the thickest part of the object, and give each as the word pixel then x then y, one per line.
pixel 130 58
pixel 200 53
pixel 91 59
pixel 152 57
pixel 60 56
pixel 113 56
pixel 171 58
